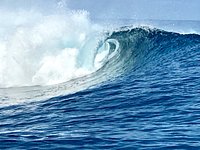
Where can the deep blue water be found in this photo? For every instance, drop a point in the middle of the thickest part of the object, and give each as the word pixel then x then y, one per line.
pixel 152 103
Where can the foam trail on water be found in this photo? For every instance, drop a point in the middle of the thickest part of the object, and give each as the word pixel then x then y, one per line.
pixel 41 49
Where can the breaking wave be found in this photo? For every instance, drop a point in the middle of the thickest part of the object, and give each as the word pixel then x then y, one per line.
pixel 50 55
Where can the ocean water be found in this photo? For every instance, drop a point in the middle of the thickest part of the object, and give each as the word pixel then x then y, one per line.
pixel 79 84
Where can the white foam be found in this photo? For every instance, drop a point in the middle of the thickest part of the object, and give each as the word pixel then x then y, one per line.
pixel 41 49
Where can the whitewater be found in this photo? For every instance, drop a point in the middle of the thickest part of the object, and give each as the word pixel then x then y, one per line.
pixel 45 51
pixel 70 82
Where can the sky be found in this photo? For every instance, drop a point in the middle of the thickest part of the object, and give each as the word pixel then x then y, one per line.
pixel 140 9
pixel 116 9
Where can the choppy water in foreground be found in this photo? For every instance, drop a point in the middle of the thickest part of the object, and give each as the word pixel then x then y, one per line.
pixel 148 97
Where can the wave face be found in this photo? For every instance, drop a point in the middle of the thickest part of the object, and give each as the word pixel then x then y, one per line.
pixel 141 46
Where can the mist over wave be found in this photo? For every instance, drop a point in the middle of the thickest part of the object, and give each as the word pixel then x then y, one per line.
pixel 43 49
